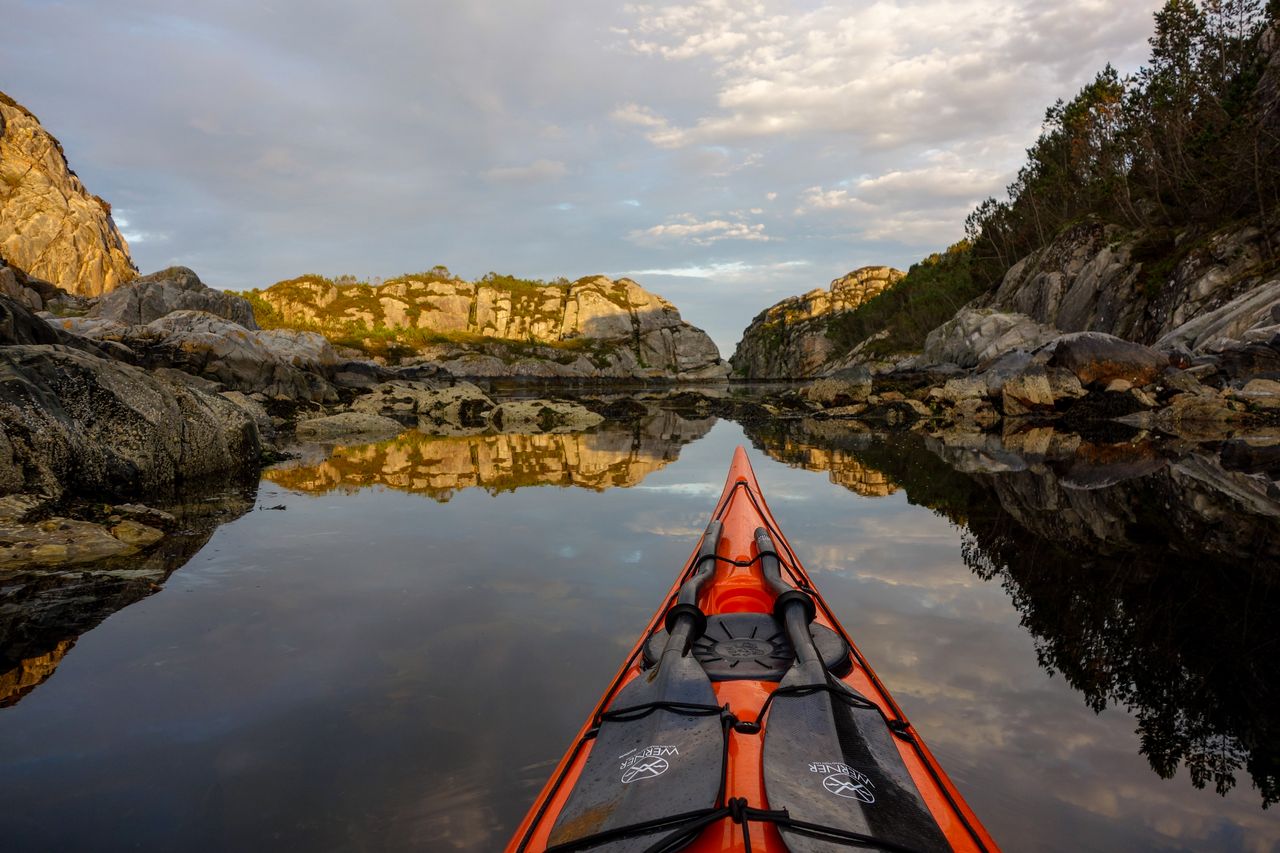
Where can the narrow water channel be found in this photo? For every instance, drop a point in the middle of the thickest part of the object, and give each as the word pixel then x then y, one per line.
pixel 392 644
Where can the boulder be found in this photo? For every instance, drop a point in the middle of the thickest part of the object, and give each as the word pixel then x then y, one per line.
pixel 975 414
pixel 977 335
pixel 1039 390
pixel 1099 359
pixel 19 326
pixel 161 293
pixel 843 389
pixel 461 404
pixel 1261 393
pixel 529 416
pixel 76 423
pixel 348 424
pixel 50 225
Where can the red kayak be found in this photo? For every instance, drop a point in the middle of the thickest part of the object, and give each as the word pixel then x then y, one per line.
pixel 745 719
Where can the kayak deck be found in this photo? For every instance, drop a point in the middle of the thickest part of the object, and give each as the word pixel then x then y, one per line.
pixel 736 659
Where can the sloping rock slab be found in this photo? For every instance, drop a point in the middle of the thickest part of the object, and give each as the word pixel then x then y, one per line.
pixel 75 423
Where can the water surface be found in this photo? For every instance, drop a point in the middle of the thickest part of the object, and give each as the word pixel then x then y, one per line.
pixel 397 658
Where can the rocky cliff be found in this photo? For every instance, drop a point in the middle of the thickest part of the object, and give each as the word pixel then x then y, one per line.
pixel 789 340
pixel 1149 287
pixel 51 227
pixel 500 326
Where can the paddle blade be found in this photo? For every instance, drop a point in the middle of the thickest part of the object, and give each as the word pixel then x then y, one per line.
pixel 836 766
pixel 663 764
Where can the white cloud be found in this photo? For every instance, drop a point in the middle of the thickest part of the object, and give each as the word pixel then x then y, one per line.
pixel 888 73
pixel 731 271
pixel 816 198
pixel 535 172
pixel 688 228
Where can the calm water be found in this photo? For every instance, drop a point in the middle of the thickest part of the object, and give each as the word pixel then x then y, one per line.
pixel 397 659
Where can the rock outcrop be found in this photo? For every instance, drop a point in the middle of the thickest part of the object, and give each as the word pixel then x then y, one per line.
pixel 789 340
pixel 977 335
pixel 78 424
pixel 161 293
pixel 171 320
pixel 1198 291
pixel 595 327
pixel 51 227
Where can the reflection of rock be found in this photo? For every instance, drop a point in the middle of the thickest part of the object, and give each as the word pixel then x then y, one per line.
pixel 824 446
pixel 1147 576
pixel 44 610
pixel 439 466
pixel 29 673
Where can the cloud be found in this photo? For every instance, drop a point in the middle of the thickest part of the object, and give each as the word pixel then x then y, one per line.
pixel 885 74
pixel 731 271
pixel 816 198
pixel 687 227
pixel 536 172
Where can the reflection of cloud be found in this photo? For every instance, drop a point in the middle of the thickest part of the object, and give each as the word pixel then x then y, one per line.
pixel 685 488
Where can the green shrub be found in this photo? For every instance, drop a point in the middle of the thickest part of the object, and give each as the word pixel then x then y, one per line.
pixel 930 294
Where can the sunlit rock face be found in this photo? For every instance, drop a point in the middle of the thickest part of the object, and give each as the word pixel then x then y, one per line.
pixel 440 466
pixel 51 227
pixel 1146 573
pixel 789 340
pixel 591 327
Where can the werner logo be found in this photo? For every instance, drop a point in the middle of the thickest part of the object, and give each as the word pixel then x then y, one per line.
pixel 646 763
pixel 844 781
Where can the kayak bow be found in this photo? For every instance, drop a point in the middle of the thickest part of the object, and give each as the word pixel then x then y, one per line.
pixel 745 719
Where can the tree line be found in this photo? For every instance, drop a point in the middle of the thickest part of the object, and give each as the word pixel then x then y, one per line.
pixel 1189 140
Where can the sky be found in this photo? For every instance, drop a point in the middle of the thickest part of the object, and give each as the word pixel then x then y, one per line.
pixel 724 154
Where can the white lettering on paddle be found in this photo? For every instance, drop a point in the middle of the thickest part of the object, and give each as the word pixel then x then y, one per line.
pixel 646 763
pixel 844 781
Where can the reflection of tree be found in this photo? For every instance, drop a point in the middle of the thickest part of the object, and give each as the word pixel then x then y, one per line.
pixel 44 611
pixel 440 466
pixel 1159 593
